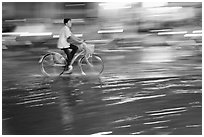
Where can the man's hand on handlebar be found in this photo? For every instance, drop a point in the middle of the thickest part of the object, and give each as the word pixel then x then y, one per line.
pixel 81 46
pixel 82 41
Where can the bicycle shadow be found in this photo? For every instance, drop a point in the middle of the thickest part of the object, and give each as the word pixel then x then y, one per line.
pixel 89 77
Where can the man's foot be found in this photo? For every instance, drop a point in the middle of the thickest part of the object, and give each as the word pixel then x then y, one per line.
pixel 69 70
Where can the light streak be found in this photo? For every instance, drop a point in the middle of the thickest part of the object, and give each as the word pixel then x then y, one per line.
pixel 110 31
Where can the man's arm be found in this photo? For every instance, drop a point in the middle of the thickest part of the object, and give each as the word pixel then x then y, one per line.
pixel 74 39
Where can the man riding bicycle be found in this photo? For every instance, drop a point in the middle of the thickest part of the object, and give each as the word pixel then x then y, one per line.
pixel 66 38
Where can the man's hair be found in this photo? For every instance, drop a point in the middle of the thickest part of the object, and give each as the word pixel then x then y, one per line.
pixel 66 20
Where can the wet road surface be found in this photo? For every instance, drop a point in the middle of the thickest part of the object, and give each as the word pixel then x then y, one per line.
pixel 146 91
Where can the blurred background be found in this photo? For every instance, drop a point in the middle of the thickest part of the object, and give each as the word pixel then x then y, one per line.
pixel 133 23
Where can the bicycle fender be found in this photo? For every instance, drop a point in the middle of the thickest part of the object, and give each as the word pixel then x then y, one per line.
pixel 40 61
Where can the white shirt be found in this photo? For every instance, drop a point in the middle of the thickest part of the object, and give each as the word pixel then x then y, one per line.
pixel 63 35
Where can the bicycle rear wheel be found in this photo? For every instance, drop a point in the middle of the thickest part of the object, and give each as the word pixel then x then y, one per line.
pixel 96 62
pixel 53 64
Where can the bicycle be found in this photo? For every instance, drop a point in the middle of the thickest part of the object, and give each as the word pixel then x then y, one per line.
pixel 54 63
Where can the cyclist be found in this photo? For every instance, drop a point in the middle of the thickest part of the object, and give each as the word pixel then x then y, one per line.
pixel 66 40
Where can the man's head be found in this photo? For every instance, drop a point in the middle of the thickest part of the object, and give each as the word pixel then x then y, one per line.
pixel 68 22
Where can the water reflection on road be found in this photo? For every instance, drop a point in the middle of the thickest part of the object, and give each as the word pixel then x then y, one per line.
pixel 140 92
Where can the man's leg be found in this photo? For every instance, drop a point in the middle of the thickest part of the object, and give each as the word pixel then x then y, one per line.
pixel 74 50
pixel 69 57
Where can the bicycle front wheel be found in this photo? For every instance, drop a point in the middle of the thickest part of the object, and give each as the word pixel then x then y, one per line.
pixel 53 64
pixel 96 62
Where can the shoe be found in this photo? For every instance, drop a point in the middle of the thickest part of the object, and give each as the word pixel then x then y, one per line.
pixel 69 70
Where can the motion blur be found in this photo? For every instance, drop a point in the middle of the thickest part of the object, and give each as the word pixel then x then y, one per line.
pixel 124 24
pixel 152 79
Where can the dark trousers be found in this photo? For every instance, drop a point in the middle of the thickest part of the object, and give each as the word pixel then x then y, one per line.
pixel 71 54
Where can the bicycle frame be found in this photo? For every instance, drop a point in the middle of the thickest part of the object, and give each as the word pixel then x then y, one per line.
pixel 73 60
pixel 76 56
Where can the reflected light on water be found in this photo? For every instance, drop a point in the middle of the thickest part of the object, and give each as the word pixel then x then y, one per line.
pixel 131 99
pixel 158 55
